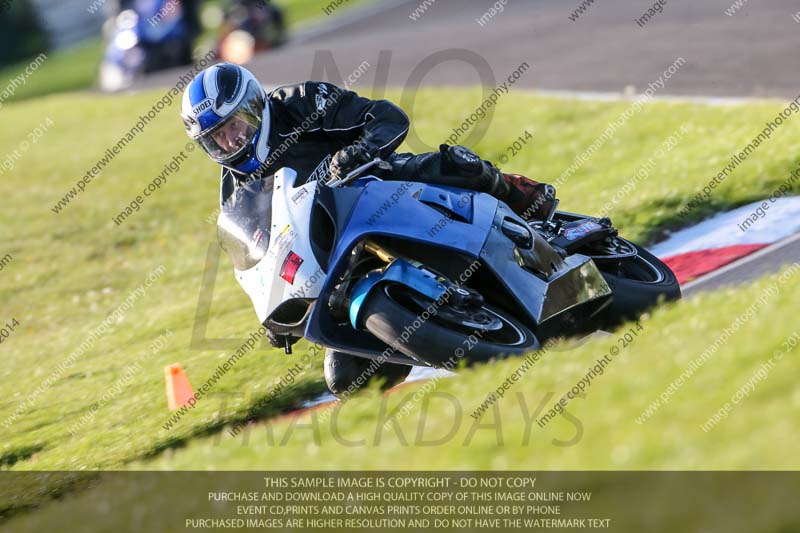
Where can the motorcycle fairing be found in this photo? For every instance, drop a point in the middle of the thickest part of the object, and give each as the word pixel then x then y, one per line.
pixel 573 282
pixel 399 271
pixel 289 268
pixel 565 283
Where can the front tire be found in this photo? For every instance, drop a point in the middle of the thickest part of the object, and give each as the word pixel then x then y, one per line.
pixel 393 313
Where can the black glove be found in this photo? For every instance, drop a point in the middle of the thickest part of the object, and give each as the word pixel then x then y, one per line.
pixel 350 158
pixel 277 340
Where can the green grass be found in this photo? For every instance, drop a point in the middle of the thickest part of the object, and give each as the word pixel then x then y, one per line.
pixel 69 70
pixel 69 271
pixel 601 431
pixel 306 11
pixel 78 266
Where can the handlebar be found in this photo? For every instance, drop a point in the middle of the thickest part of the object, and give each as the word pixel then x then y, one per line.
pixel 355 173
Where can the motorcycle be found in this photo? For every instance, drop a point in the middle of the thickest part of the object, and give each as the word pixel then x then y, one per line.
pixel 250 27
pixel 468 279
pixel 151 35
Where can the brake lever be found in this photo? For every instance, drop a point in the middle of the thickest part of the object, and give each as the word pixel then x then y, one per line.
pixel 358 171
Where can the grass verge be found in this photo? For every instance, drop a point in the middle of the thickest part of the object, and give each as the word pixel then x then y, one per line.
pixel 69 272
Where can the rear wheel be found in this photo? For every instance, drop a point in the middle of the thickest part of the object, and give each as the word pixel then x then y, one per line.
pixel 443 334
pixel 638 279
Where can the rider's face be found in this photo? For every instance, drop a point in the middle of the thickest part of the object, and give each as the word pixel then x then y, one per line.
pixel 232 135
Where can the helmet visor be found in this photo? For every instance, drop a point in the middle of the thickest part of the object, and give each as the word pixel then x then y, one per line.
pixel 232 136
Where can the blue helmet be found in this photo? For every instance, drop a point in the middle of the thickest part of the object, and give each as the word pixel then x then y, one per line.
pixel 225 111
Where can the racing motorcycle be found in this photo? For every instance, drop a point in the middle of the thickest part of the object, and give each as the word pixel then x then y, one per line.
pixel 250 27
pixel 151 35
pixel 397 274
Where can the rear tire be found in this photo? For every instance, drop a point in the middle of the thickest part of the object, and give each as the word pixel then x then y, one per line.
pixel 656 283
pixel 343 370
pixel 390 317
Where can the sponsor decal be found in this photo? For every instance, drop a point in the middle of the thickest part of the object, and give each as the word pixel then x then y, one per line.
pixel 579 231
pixel 202 106
pixel 322 97
pixel 321 172
pixel 290 267
pixel 283 241
pixel 299 196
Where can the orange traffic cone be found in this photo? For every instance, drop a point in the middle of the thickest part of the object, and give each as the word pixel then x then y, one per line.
pixel 179 390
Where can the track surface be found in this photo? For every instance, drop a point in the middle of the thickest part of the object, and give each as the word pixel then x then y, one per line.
pixel 766 261
pixel 752 53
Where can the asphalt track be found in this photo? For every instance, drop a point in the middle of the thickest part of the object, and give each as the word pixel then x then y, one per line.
pixel 753 53
pixel 750 54
pixel 767 261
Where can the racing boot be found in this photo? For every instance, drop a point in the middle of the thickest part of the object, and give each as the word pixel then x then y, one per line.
pixel 532 200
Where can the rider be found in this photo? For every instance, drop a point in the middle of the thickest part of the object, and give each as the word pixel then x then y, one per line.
pixel 261 18
pixel 324 132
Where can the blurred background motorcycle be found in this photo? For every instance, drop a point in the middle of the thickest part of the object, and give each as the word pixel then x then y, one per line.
pixel 146 36
pixel 249 27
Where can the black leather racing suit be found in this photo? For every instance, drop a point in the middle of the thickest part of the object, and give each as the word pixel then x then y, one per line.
pixel 311 121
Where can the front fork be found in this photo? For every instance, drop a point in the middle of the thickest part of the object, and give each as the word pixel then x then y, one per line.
pixel 350 295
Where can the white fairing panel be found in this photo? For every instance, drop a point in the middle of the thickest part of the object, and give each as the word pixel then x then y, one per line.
pixel 289 269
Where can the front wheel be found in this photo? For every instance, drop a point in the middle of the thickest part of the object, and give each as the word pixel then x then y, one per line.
pixel 442 335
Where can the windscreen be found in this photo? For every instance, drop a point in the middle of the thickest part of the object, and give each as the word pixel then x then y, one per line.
pixel 243 225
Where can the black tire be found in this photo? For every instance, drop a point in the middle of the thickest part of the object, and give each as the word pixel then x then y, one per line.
pixel 342 371
pixel 636 290
pixel 436 343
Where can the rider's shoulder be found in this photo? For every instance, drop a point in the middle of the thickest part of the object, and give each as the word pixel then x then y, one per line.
pixel 286 94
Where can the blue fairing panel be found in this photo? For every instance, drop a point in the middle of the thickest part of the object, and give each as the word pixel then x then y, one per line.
pixel 472 228
pixel 400 271
pixel 410 211
pixel 404 210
